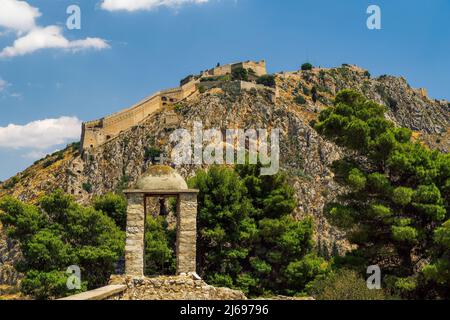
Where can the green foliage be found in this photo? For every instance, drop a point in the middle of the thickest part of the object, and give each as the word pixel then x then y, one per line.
pixel 22 220
pixel 442 235
pixel 57 234
pixel 379 183
pixel 224 78
pixel 75 146
pixel 114 206
pixel 151 154
pixel 302 272
pixel 406 284
pixel 51 159
pixel 240 74
pixel 305 91
pixel 9 184
pixel 380 211
pixel 397 198
pixel 178 108
pixel 439 270
pixel 87 186
pixel 307 66
pixel 314 96
pixel 299 100
pixel 159 247
pixel 268 80
pixel 407 234
pixel 344 284
pixel 341 216
pixel 202 89
pixel 357 180
pixel 40 284
pixel 123 183
pixel 402 196
pixel 248 238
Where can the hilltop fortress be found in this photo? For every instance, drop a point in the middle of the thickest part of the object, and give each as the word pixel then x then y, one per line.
pixel 95 133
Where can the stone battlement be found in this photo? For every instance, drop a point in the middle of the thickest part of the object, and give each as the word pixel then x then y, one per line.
pixel 97 132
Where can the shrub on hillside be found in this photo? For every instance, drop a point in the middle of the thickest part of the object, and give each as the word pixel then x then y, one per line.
pixel 314 96
pixel 299 100
pixel 240 74
pixel 178 108
pixel 151 154
pixel 87 186
pixel 307 66
pixel 306 91
pixel 344 285
pixel 267 80
pixel 9 184
pixel 202 89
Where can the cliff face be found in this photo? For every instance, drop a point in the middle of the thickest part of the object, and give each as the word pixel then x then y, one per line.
pixel 305 156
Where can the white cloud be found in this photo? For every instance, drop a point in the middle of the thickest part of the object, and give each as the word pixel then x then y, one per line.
pixel 18 15
pixel 41 134
pixel 49 38
pixel 135 5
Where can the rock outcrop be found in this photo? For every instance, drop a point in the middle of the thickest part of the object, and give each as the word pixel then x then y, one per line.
pixel 9 254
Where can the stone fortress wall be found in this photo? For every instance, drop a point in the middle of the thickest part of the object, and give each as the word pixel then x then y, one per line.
pixel 95 133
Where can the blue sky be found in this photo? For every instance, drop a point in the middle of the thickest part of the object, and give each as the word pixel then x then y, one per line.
pixel 139 52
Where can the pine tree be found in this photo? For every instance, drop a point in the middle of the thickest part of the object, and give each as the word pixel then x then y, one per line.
pixel 248 237
pixel 57 234
pixel 397 203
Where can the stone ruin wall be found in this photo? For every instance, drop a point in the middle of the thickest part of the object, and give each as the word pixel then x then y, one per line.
pixel 171 288
pixel 258 67
pixel 95 133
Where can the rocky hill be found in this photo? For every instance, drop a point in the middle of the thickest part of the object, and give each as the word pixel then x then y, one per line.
pixel 305 156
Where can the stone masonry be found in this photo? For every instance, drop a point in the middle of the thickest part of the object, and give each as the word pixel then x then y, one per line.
pixel 171 288
pixel 186 233
pixel 186 230
pixel 134 248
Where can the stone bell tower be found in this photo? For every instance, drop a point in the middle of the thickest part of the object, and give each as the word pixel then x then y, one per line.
pixel 160 181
